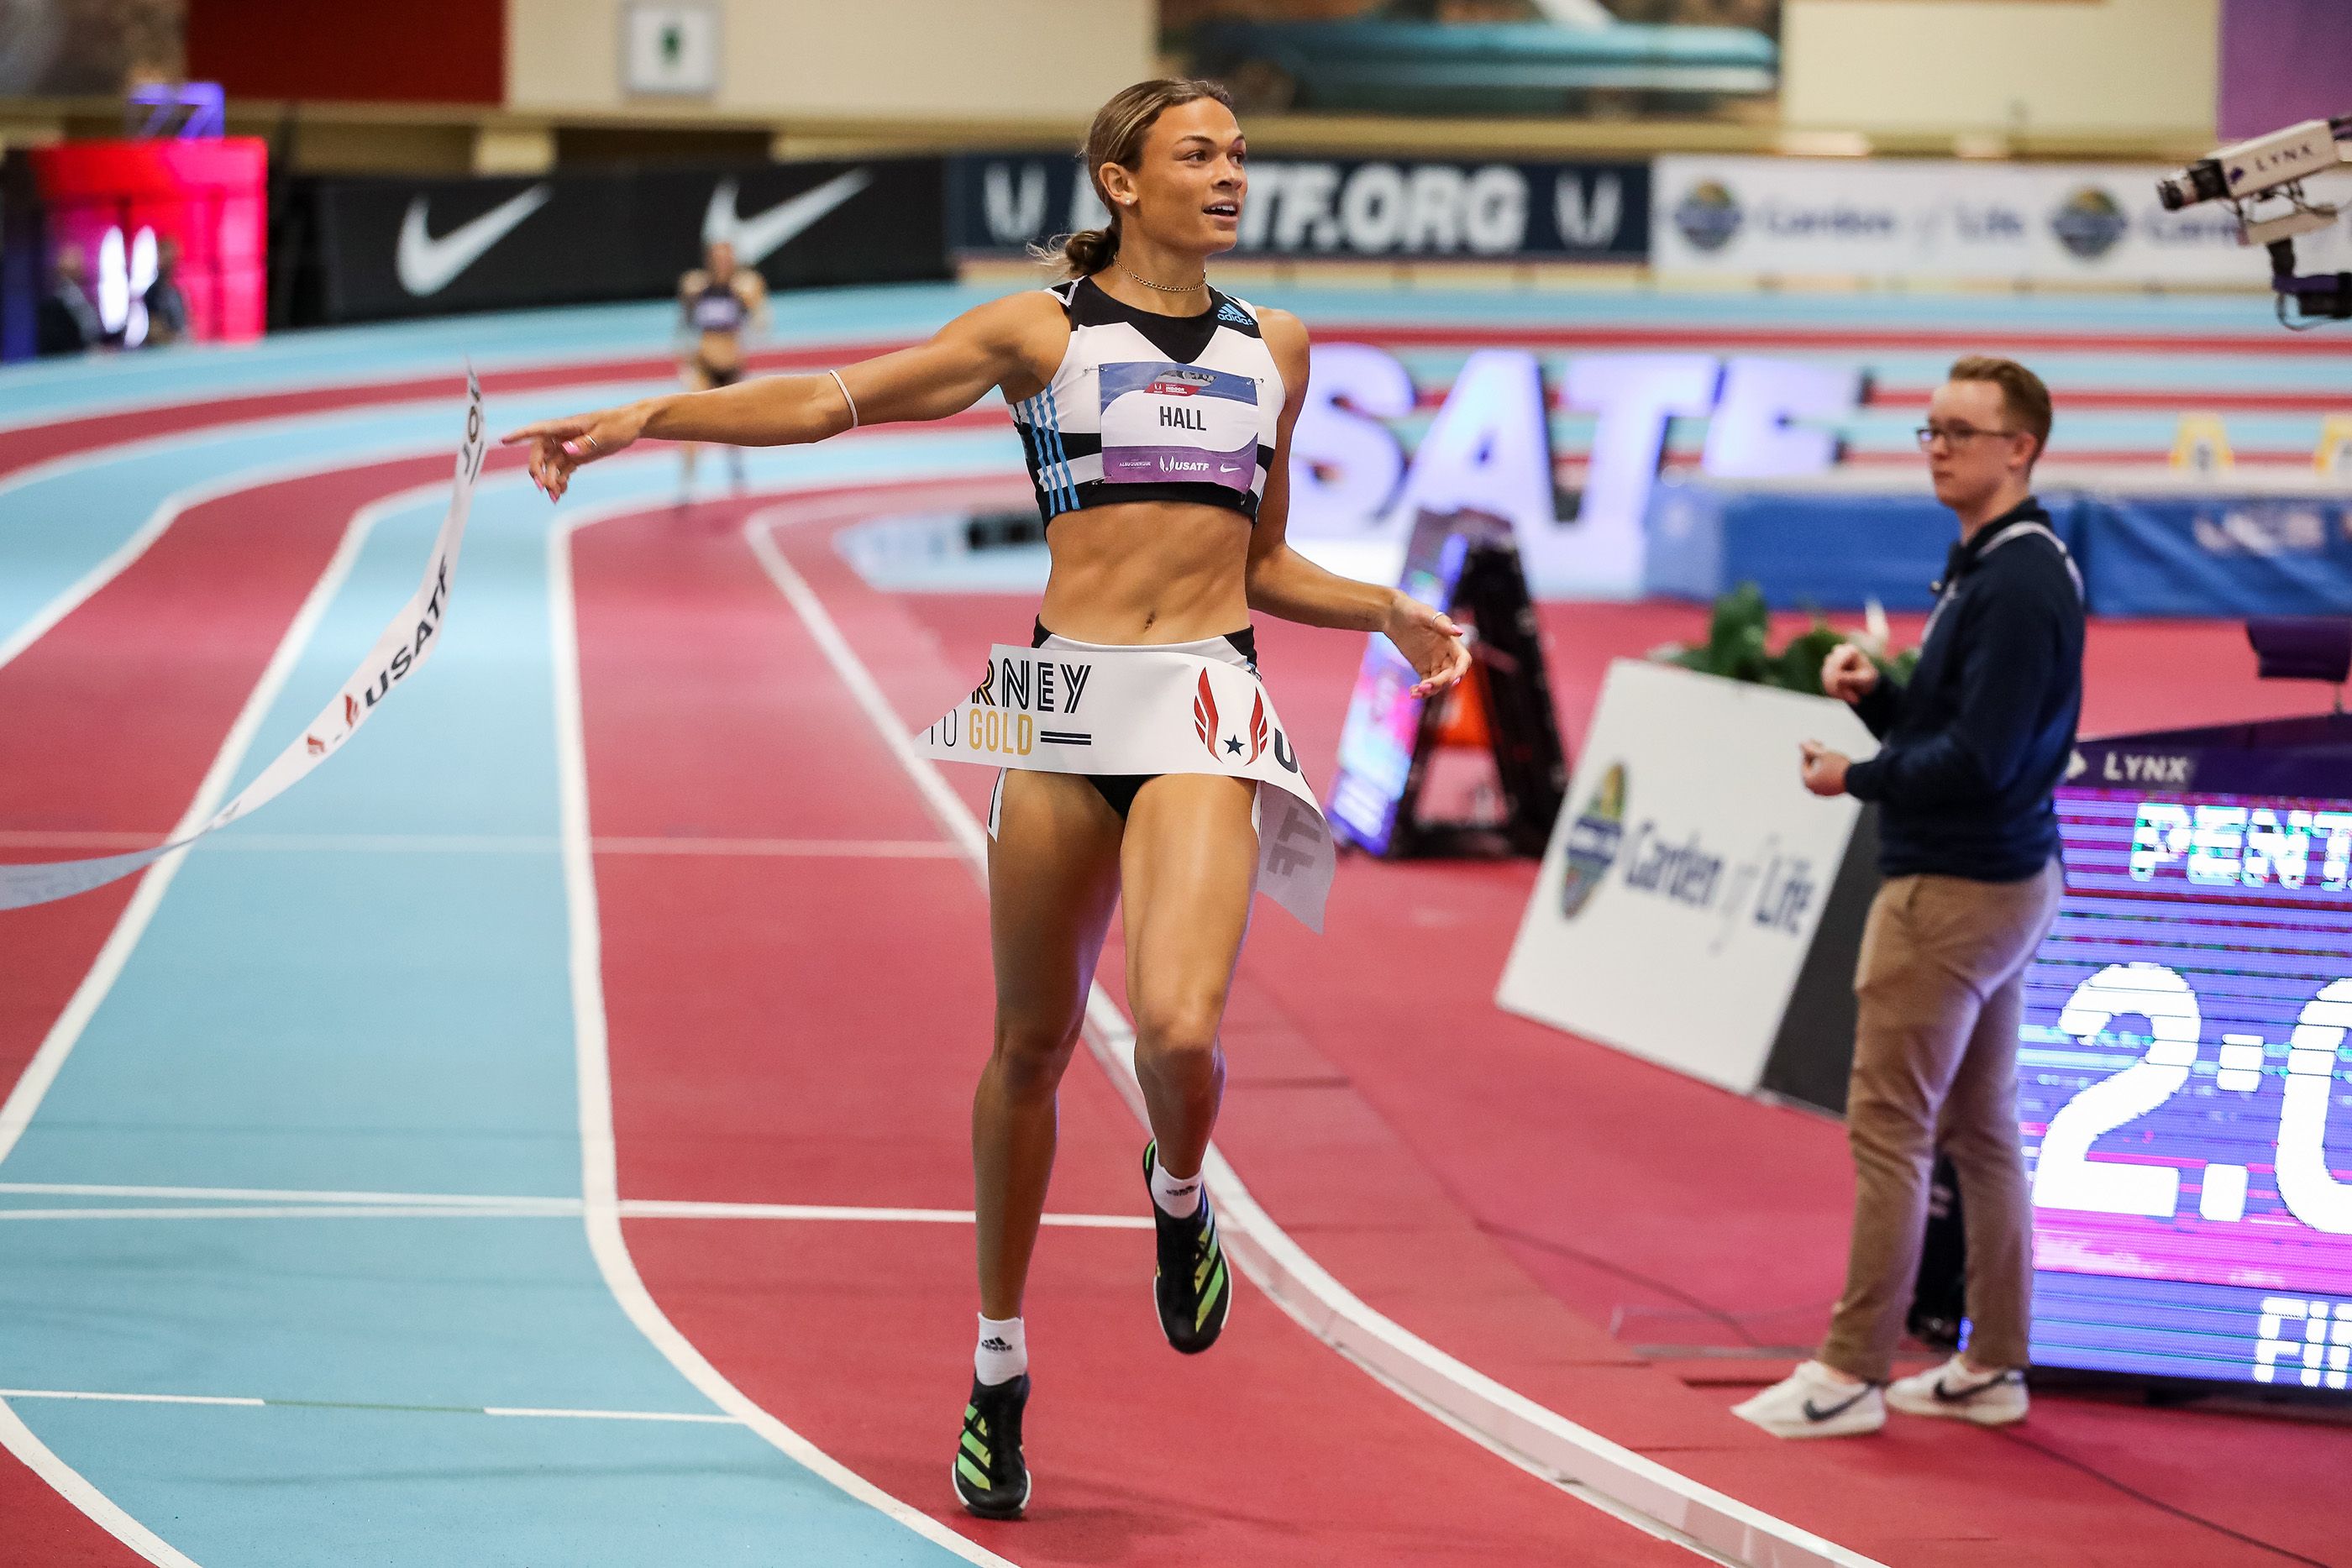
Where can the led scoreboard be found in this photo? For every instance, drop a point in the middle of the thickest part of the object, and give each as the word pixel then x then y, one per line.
pixel 2184 1080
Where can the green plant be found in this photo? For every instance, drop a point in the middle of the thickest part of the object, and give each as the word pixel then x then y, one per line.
pixel 1736 648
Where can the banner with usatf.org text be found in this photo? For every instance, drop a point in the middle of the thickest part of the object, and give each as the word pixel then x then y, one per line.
pixel 1929 220
pixel 1384 208
pixel 1688 874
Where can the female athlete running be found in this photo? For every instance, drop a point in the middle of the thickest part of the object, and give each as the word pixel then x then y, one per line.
pixel 1156 413
pixel 716 302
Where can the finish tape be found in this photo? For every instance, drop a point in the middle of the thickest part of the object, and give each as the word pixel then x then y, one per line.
pixel 406 643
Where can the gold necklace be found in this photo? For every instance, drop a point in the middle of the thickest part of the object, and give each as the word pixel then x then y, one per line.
pixel 1165 287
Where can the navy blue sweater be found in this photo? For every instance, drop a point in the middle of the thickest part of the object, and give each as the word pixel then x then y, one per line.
pixel 1971 748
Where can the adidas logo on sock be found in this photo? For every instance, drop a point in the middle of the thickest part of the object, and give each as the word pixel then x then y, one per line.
pixel 993 1344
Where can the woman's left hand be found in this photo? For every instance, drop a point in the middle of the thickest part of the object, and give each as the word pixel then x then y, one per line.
pixel 1431 641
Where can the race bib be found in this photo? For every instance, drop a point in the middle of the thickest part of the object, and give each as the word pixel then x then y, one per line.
pixel 1169 423
pixel 1148 711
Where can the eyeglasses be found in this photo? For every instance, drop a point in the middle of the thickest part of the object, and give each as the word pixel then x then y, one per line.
pixel 1958 434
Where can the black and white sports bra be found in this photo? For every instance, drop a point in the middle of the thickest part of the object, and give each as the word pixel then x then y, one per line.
pixel 1148 408
pixel 718 308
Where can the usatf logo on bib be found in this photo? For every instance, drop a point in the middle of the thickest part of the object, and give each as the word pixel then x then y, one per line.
pixel 1164 423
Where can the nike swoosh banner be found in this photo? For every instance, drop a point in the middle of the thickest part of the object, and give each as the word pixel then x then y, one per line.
pixel 376 248
pixel 407 641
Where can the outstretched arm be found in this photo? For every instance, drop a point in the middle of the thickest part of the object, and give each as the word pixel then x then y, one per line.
pixel 978 350
pixel 1284 583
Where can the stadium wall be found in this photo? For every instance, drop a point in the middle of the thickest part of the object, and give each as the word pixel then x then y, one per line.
pixel 1008 60
pixel 2131 70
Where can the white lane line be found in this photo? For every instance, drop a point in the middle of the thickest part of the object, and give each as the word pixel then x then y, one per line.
pixel 657 1208
pixel 69 1484
pixel 1541 1439
pixel 492 843
pixel 706 1419
pixel 125 1398
pixel 520 1411
pixel 297 1212
pixel 599 1174
pixel 32 1084
pixel 280 1194
pixel 862 849
pixel 246 1204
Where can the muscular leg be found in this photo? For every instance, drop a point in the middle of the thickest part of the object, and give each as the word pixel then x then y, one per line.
pixel 697 379
pixel 1053 875
pixel 1190 866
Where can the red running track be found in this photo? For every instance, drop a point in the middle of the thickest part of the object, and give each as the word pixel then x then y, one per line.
pixel 808 1030
pixel 1623 1188
pixel 1399 1126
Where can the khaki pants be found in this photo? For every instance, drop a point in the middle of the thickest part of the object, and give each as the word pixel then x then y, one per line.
pixel 1934 1067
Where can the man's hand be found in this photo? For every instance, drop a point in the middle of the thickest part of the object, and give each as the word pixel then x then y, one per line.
pixel 1848 675
pixel 1431 640
pixel 1824 771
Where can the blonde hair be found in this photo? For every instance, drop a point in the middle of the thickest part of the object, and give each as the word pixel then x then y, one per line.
pixel 1117 136
pixel 2021 392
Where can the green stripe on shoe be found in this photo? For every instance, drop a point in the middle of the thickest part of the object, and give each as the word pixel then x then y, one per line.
pixel 971 1472
pixel 1209 1298
pixel 978 1449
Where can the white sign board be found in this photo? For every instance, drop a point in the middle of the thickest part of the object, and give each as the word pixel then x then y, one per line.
pixel 1688 873
pixel 670 46
pixel 1962 220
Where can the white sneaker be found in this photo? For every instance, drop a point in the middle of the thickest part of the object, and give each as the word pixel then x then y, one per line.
pixel 1814 1402
pixel 1959 1392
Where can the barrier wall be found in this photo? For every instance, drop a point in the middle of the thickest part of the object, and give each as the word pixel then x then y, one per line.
pixel 407 247
pixel 2171 549
pixel 1471 209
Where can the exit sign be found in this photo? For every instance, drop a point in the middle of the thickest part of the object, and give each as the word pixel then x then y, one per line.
pixel 670 46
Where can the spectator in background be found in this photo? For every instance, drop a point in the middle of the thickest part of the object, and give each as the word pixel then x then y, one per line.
pixel 167 308
pixel 67 322
pixel 1969 752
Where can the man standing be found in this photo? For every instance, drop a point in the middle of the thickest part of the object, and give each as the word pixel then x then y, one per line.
pixel 67 322
pixel 1971 750
pixel 167 306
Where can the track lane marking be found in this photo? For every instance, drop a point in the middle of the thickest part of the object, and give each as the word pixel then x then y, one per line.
pixel 248 1403
pixel 32 1085
pixel 68 1483
pixel 262 1203
pixel 495 843
pixel 1585 1464
pixel 600 1166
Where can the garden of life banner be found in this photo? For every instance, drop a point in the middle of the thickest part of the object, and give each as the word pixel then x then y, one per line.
pixel 1588 58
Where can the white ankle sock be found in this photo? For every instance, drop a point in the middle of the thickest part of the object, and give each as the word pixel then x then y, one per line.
pixel 1003 1353
pixel 1177 1197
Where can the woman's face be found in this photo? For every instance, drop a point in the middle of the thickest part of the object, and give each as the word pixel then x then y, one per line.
pixel 1186 190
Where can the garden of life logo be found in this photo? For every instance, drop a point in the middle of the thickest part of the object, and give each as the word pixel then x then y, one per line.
pixel 1593 840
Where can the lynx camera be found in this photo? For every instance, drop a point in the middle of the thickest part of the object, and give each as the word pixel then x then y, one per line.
pixel 2261 178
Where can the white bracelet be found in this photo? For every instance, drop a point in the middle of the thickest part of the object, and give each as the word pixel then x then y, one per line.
pixel 846 397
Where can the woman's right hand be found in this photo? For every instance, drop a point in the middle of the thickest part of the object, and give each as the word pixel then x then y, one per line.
pixel 560 445
pixel 1848 674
